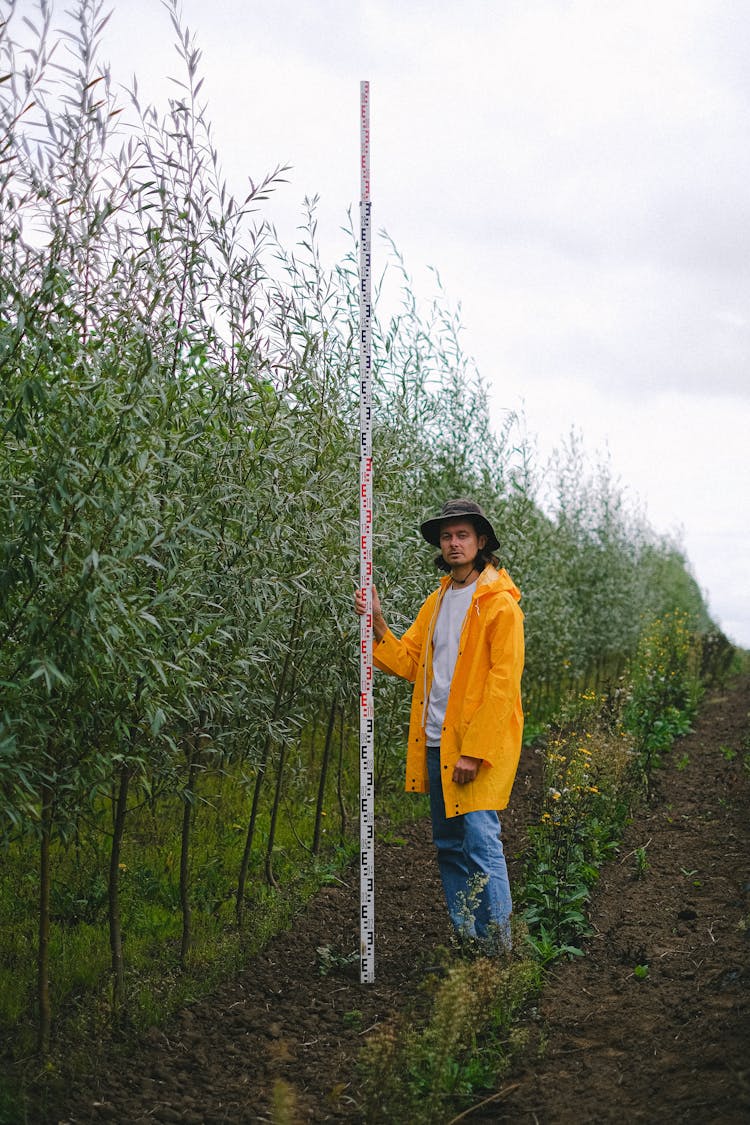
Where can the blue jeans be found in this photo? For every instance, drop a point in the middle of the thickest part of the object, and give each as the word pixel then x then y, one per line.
pixel 472 865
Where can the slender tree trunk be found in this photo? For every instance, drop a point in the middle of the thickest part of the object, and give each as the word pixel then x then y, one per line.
pixel 115 927
pixel 245 862
pixel 260 776
pixel 313 739
pixel 340 776
pixel 187 822
pixel 270 877
pixel 45 1010
pixel 323 777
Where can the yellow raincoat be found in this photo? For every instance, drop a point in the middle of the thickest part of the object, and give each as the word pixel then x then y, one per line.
pixel 484 717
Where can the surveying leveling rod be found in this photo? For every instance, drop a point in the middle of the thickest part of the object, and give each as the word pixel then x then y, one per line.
pixel 366 717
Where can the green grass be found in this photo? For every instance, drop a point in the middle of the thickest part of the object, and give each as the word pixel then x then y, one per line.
pixel 155 984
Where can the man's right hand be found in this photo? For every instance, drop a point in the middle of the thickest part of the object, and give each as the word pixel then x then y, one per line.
pixel 360 606
pixel 378 621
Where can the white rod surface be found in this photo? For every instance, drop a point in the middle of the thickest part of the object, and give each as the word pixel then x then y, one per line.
pixel 366 719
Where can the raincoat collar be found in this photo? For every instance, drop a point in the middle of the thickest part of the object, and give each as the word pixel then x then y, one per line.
pixel 488 581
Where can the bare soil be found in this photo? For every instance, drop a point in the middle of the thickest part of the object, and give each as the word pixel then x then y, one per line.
pixel 670 1042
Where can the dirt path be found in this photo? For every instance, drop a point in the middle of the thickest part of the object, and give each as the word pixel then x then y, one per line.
pixel 674 1046
pixel 671 1047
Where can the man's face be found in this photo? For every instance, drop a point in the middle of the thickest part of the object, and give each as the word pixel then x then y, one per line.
pixel 459 542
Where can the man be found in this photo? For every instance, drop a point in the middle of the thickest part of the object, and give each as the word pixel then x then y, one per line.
pixel 464 654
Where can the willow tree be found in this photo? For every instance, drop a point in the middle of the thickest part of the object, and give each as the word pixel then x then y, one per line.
pixel 178 542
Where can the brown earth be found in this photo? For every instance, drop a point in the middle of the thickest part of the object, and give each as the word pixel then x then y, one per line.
pixel 606 1044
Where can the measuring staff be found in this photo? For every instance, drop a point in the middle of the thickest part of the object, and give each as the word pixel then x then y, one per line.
pixel 366 718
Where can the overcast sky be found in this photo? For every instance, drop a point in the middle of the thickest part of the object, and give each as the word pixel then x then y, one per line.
pixel 579 173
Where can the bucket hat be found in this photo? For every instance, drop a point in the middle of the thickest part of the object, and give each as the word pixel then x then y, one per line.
pixel 456 510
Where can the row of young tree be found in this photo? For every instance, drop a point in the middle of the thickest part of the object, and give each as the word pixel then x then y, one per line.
pixel 178 473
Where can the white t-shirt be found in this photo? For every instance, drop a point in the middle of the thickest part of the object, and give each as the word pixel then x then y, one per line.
pixel 445 640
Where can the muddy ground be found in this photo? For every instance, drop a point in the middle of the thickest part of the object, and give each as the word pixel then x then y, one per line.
pixel 669 1043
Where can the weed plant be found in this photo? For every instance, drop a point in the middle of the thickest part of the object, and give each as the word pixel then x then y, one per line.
pixel 585 799
pixel 417 1073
